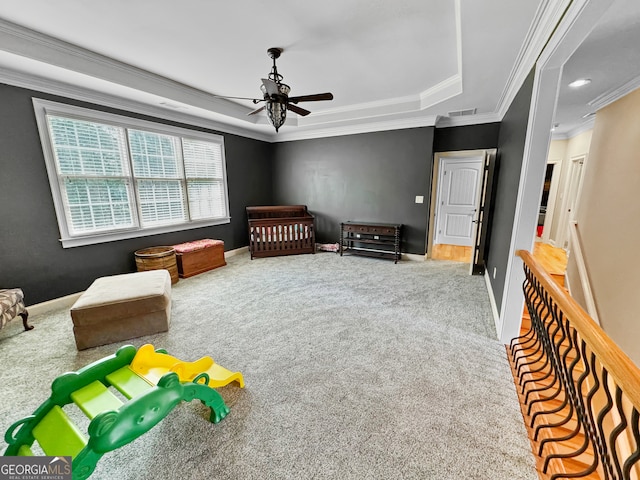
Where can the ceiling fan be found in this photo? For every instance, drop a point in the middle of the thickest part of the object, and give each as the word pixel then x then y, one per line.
pixel 276 96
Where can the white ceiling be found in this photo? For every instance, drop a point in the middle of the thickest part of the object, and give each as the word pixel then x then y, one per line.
pixel 610 58
pixel 389 64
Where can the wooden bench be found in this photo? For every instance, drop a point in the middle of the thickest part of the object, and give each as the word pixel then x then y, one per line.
pixel 199 256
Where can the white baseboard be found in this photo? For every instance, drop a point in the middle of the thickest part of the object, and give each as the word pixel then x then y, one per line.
pixel 237 251
pixel 68 300
pixel 413 257
pixel 492 301
pixel 54 304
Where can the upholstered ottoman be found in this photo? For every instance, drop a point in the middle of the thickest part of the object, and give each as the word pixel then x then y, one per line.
pixel 121 307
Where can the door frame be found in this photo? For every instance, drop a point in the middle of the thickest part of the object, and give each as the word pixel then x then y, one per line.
pixel 460 155
pixel 578 21
pixel 570 188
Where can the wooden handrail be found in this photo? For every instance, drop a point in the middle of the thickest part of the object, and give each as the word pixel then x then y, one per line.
pixel 619 366
pixel 570 375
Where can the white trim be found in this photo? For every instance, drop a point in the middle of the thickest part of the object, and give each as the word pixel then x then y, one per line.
pixel 413 257
pixel 574 132
pixel 612 95
pixel 463 120
pixel 53 304
pixel 68 300
pixel 585 283
pixel 43 108
pixel 39 84
pixel 492 301
pixel 577 23
pixel 543 24
pixel 23 41
pixel 211 111
pixel 374 126
pixel 444 90
pixel 237 251
pixel 565 219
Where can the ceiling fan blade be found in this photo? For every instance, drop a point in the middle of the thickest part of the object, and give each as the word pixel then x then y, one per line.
pixel 312 98
pixel 270 86
pixel 298 110
pixel 257 110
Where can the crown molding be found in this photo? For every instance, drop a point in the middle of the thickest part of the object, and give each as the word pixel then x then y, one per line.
pixel 574 132
pixel 39 84
pixel 230 117
pixel 615 94
pixel 583 127
pixel 444 122
pixel 40 47
pixel 444 90
pixel 373 125
pixel 546 19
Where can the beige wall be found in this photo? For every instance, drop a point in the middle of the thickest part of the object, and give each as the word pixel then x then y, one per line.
pixel 609 221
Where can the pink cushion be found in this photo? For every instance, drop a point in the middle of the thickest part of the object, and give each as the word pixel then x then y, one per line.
pixel 196 245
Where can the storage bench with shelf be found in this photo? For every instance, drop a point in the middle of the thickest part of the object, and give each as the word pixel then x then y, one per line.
pixel 378 240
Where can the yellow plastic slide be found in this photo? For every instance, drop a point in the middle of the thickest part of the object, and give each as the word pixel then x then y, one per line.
pixel 152 365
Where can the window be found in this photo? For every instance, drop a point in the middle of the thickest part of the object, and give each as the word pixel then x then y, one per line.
pixel 115 177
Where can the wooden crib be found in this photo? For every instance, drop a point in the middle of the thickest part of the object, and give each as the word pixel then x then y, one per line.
pixel 280 230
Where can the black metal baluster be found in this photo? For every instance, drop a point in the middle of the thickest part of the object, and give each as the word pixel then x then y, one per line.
pixel 615 433
pixel 635 456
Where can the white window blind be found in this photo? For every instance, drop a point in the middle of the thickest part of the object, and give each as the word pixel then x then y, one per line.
pixel 205 178
pixel 159 178
pixel 94 175
pixel 113 177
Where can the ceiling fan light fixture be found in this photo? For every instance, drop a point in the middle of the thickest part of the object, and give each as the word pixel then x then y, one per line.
pixel 275 96
pixel 276 113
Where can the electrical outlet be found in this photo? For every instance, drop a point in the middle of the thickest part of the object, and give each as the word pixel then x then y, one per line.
pixel 494 273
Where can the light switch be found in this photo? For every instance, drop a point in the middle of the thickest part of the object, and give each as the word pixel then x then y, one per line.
pixel 419 199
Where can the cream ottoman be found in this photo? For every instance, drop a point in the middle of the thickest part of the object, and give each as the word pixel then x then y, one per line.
pixel 121 307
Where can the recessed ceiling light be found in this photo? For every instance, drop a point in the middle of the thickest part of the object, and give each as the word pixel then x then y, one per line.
pixel 581 82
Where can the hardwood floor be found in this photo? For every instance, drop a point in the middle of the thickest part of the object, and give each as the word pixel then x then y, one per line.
pixel 456 253
pixel 552 259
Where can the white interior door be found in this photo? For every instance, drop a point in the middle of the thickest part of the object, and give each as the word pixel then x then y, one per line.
pixel 571 206
pixel 458 193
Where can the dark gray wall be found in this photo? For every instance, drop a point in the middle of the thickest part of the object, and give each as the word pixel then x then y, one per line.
pixel 31 256
pixel 468 137
pixel 372 177
pixel 513 132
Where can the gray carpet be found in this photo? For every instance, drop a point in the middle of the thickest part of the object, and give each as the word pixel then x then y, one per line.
pixel 355 368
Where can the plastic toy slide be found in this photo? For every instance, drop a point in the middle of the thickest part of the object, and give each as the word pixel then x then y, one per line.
pixel 153 384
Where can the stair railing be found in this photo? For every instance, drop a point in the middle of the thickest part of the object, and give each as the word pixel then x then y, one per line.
pixel 580 393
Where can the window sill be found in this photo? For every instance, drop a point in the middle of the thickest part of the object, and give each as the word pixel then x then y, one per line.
pixel 71 242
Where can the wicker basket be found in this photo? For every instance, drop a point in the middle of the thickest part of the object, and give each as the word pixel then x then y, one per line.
pixel 156 258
